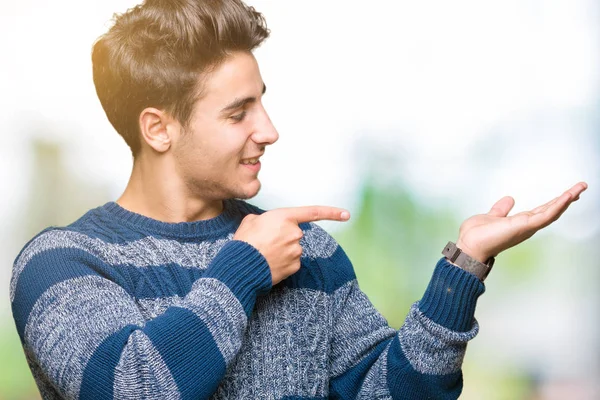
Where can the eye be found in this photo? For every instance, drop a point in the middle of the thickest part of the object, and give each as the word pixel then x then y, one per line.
pixel 238 117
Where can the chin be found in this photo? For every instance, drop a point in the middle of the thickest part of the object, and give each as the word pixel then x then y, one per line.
pixel 249 191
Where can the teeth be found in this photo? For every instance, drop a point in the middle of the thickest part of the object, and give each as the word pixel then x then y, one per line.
pixel 250 161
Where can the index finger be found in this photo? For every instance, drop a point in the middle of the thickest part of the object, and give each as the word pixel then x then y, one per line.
pixel 315 213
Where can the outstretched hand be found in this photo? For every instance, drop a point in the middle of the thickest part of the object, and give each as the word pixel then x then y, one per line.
pixel 486 235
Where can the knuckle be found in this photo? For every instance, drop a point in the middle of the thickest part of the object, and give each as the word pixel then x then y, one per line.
pixel 297 251
pixel 315 214
pixel 295 266
pixel 276 278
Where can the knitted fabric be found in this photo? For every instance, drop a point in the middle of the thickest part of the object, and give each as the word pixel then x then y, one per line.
pixel 117 305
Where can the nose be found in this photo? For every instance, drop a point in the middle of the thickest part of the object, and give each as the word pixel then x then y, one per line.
pixel 265 132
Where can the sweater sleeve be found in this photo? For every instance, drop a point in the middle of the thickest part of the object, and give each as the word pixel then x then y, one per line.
pixel 84 336
pixel 422 360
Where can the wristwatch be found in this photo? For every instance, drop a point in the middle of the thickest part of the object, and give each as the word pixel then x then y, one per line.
pixel 468 263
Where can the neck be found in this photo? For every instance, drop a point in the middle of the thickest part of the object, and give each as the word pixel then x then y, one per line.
pixel 155 190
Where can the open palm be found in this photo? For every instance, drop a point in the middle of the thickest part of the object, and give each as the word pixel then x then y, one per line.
pixel 486 235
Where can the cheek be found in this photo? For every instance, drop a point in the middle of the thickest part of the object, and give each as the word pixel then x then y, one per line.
pixel 231 147
pixel 219 158
pixel 217 149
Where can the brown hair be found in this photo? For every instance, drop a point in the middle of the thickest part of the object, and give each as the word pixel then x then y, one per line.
pixel 155 54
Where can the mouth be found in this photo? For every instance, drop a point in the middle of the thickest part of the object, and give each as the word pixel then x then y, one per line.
pixel 253 164
pixel 250 161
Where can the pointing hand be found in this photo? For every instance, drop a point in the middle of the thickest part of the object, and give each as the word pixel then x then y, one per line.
pixel 276 235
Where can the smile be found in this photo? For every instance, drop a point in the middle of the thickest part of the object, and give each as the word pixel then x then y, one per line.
pixel 249 161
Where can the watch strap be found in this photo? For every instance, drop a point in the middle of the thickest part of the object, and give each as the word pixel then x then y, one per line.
pixel 466 262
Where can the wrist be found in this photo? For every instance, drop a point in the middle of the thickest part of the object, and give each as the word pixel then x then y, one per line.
pixel 479 256
pixel 459 258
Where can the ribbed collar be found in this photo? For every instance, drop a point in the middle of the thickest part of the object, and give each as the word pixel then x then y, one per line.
pixel 226 221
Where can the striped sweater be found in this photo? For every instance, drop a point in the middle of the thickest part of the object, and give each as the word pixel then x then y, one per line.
pixel 118 305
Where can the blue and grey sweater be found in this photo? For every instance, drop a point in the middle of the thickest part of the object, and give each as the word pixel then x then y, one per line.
pixel 117 305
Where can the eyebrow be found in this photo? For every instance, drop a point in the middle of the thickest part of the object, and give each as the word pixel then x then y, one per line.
pixel 238 103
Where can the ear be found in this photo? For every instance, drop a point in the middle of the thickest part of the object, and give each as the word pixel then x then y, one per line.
pixel 157 128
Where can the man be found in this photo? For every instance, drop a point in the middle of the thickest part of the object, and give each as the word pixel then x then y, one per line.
pixel 180 289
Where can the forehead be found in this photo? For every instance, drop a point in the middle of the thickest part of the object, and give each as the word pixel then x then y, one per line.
pixel 237 76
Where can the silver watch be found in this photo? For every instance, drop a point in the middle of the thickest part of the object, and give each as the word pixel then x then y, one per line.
pixel 468 263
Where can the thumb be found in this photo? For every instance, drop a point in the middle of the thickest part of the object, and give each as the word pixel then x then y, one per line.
pixel 502 207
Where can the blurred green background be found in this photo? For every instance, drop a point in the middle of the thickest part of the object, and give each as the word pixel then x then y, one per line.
pixel 412 116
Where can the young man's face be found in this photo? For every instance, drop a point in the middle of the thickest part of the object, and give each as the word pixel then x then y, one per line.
pixel 228 131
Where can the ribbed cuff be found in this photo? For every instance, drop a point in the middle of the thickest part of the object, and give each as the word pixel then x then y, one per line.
pixel 451 297
pixel 243 269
